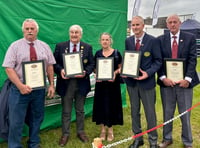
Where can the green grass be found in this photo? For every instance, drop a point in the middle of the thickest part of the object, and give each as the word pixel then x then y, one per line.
pixel 49 139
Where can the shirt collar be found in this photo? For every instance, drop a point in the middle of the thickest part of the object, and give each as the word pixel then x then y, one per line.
pixel 140 38
pixel 177 34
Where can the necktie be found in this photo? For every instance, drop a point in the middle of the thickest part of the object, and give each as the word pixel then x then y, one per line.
pixel 33 55
pixel 137 45
pixel 74 49
pixel 174 48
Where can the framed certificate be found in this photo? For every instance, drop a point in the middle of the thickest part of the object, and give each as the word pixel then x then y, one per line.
pixel 131 63
pixel 72 64
pixel 105 68
pixel 34 74
pixel 174 68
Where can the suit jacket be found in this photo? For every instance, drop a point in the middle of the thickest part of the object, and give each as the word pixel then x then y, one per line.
pixel 151 60
pixel 4 110
pixel 186 50
pixel 88 66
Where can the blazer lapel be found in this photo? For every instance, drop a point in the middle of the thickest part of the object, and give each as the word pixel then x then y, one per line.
pixel 144 40
pixel 132 43
pixel 181 44
pixel 67 47
pixel 167 44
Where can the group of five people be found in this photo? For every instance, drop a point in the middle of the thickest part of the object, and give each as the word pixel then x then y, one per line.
pixel 27 105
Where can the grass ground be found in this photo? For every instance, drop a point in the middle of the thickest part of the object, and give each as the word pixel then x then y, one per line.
pixel 49 139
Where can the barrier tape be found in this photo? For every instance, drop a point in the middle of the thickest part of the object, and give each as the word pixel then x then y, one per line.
pixel 147 131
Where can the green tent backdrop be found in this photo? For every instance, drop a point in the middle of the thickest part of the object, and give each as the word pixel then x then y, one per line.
pixel 54 18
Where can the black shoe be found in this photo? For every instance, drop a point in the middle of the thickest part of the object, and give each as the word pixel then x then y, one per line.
pixel 136 144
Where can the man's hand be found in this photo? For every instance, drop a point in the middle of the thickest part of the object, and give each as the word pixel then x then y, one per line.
pixel 25 89
pixel 51 91
pixel 80 76
pixel 143 76
pixel 62 73
pixel 168 82
pixel 183 83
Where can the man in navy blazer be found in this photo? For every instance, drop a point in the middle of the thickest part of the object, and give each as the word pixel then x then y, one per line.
pixel 142 88
pixel 178 92
pixel 73 89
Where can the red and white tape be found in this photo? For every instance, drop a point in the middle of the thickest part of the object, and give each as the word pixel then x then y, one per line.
pixel 152 129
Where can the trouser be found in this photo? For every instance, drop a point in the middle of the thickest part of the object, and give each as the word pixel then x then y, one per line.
pixel 72 97
pixel 21 106
pixel 148 99
pixel 183 98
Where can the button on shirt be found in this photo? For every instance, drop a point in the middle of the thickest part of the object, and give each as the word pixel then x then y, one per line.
pixel 19 52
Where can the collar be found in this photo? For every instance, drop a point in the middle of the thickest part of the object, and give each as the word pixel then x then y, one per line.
pixel 177 34
pixel 140 38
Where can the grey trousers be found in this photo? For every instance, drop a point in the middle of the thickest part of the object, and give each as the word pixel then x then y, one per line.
pixel 71 98
pixel 182 97
pixel 148 99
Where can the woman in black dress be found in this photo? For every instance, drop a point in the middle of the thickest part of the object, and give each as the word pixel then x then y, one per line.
pixel 107 108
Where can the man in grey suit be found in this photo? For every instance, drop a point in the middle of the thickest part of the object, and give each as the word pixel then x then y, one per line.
pixel 142 88
pixel 178 92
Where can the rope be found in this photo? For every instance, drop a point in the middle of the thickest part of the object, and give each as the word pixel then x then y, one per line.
pixel 152 129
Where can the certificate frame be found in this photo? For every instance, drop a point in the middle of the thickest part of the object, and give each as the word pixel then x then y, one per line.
pixel 131 63
pixel 72 64
pixel 174 68
pixel 104 68
pixel 34 74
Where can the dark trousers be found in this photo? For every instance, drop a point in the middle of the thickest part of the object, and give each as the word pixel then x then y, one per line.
pixel 72 97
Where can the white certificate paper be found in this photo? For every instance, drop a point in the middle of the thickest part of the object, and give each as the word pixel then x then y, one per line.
pixel 175 69
pixel 131 64
pixel 34 74
pixel 72 64
pixel 105 68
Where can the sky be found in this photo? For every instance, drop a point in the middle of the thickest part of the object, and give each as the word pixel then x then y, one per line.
pixel 167 7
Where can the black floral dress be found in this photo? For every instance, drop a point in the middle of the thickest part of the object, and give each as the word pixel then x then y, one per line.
pixel 107 107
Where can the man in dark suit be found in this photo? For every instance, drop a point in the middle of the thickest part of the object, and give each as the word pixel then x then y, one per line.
pixel 73 89
pixel 178 92
pixel 142 88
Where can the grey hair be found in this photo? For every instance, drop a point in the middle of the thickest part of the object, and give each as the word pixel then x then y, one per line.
pixel 173 15
pixel 30 20
pixel 78 27
pixel 138 17
pixel 106 33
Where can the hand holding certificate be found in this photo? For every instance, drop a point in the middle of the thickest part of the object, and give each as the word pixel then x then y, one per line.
pixel 73 64
pixel 174 69
pixel 34 74
pixel 131 64
pixel 105 68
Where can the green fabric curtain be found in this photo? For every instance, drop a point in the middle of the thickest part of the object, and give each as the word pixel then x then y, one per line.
pixel 54 18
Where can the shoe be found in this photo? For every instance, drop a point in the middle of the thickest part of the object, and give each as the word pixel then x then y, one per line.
pixel 110 137
pixel 187 146
pixel 165 144
pixel 103 135
pixel 63 140
pixel 137 144
pixel 83 137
